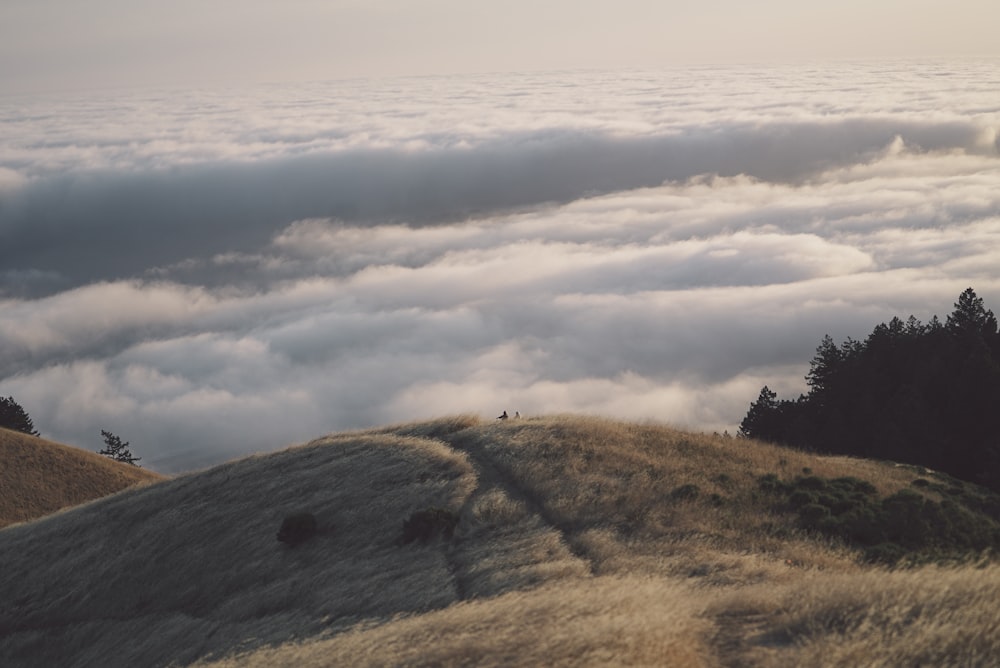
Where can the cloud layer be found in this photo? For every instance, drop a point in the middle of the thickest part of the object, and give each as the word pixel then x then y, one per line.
pixel 219 273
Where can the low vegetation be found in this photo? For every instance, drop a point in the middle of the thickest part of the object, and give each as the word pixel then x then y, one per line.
pixel 910 524
pixel 553 541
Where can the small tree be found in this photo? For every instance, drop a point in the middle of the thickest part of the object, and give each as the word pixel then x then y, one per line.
pixel 762 417
pixel 12 416
pixel 117 450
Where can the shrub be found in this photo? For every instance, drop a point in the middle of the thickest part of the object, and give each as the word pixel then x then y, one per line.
pixel 685 492
pixel 424 525
pixel 812 514
pixel 801 497
pixel 297 529
pixel 724 480
pixel 811 482
pixel 769 482
pixel 905 524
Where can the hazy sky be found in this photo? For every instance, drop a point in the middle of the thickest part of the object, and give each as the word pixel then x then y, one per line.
pixel 59 44
pixel 611 211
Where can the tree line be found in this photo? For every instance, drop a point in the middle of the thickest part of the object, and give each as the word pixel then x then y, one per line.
pixel 920 393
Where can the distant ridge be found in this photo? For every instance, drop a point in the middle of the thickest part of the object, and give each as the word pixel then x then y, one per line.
pixel 39 477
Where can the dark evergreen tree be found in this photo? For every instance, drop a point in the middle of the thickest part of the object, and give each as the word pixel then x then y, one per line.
pixel 116 449
pixel 762 419
pixel 824 365
pixel 970 316
pixel 12 416
pixel 924 394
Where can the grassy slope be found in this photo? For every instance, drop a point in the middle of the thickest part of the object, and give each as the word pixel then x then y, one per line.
pixel 39 477
pixel 580 543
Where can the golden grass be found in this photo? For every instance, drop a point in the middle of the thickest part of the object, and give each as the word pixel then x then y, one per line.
pixel 612 621
pixel 39 477
pixel 932 616
pixel 613 489
pixel 574 547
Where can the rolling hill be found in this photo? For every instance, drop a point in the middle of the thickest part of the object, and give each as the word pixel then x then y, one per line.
pixel 39 477
pixel 579 541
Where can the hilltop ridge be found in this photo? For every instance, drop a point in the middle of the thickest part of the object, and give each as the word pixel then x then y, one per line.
pixel 579 541
pixel 39 476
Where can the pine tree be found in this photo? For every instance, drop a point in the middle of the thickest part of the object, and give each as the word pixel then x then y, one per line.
pixel 117 450
pixel 971 316
pixel 761 417
pixel 824 365
pixel 12 416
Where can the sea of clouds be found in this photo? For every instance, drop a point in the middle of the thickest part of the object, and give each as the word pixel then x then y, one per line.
pixel 209 273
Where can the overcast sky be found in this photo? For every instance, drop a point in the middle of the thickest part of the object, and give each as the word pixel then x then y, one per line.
pixel 58 44
pixel 598 219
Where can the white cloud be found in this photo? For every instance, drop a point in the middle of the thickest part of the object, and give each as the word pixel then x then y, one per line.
pixel 221 274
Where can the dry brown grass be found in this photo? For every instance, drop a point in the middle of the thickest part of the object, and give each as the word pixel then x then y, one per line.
pixel 616 490
pixel 39 477
pixel 611 621
pixel 931 616
pixel 575 547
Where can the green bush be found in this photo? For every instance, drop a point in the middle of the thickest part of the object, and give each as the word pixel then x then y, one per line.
pixel 905 524
pixel 769 482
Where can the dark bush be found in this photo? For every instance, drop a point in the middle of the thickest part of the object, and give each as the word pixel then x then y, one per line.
pixel 769 482
pixel 424 525
pixel 811 482
pixel 801 497
pixel 723 479
pixel 855 485
pixel 905 524
pixel 297 529
pixel 812 514
pixel 685 492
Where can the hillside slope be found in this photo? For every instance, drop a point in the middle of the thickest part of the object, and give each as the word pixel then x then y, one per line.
pixel 39 477
pixel 579 542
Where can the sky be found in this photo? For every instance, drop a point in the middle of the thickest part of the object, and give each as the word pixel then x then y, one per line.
pixel 66 44
pixel 224 232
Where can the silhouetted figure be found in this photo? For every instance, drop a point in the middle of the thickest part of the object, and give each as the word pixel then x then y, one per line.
pixel 517 415
pixel 503 417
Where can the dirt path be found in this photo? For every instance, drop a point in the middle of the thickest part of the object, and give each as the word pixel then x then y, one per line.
pixel 527 551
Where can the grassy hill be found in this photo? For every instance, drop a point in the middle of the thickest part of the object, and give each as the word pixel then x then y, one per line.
pixel 39 477
pixel 579 541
